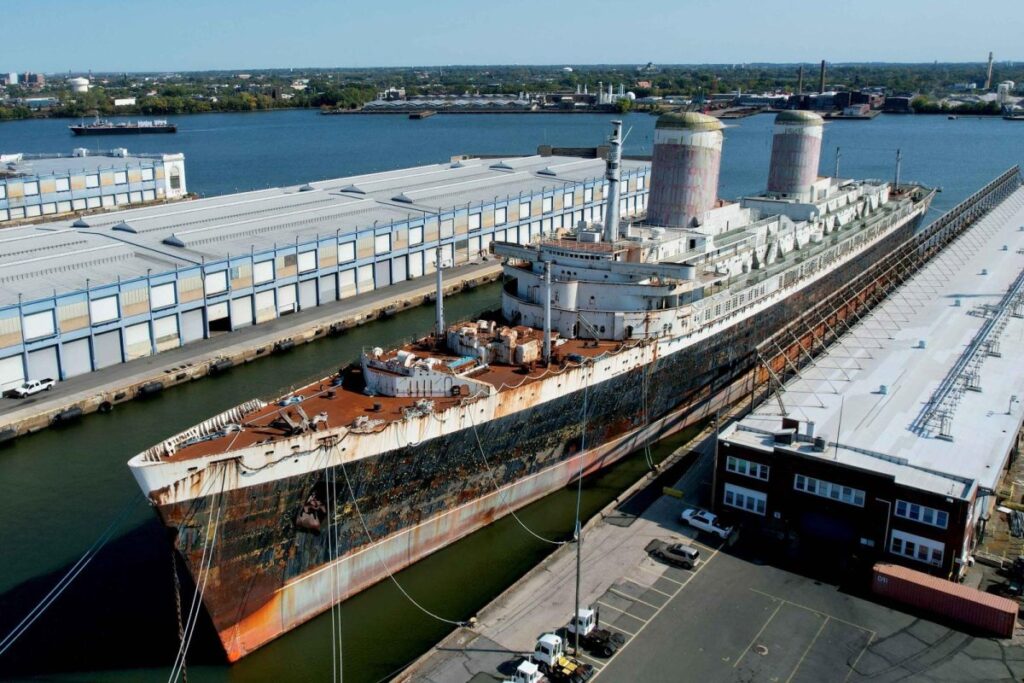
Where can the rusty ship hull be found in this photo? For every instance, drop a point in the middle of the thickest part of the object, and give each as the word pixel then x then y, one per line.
pixel 276 563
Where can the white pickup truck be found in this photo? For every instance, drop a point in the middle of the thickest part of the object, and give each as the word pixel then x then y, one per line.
pixel 705 521
pixel 32 386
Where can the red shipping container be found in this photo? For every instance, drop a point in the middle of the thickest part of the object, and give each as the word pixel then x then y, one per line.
pixel 955 601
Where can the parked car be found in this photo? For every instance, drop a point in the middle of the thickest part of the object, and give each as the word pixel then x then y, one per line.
pixel 32 386
pixel 705 521
pixel 677 554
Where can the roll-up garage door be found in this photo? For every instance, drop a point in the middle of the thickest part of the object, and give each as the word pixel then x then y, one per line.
pixel 137 343
pixel 12 372
pixel 266 309
pixel 307 294
pixel 218 317
pixel 43 363
pixel 327 289
pixel 165 333
pixel 107 349
pixel 191 326
pixel 76 358
pixel 382 273
pixel 241 312
pixel 286 299
pixel 398 269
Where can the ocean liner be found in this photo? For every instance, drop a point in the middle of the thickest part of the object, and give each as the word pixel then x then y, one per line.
pixel 610 336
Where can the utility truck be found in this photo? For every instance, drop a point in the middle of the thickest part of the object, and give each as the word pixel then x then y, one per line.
pixel 597 640
pixel 558 666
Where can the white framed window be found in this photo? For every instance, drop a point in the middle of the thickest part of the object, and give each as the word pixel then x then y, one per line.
pixel 447 228
pixel 262 271
pixel 63 184
pixel 547 204
pixel 382 244
pixel 120 177
pixel 307 261
pixel 922 513
pixel 826 489
pixel 162 296
pixel 588 194
pixel 49 208
pixel 474 221
pixel 524 210
pixel 640 182
pixel 39 325
pixel 3 191
pixel 216 282
pixel 917 548
pixel 745 499
pixel 78 204
pixel 500 215
pixel 347 251
pixel 567 200
pixel 31 188
pixel 92 202
pixel 103 310
pixel 747 468
pixel 92 180
pixel 147 174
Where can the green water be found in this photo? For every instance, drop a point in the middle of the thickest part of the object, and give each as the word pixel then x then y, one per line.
pixel 60 489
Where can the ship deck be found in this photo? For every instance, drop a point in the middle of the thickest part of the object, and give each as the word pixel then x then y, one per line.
pixel 341 400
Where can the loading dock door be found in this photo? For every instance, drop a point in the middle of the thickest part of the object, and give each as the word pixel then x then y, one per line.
pixel 241 312
pixel 327 289
pixel 12 372
pixel 191 325
pixel 107 349
pixel 218 318
pixel 286 299
pixel 76 358
pixel 307 294
pixel 382 273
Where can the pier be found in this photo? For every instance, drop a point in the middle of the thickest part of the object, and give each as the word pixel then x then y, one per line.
pixel 743 617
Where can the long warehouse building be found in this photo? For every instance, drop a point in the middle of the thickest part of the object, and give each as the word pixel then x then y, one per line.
pixel 78 296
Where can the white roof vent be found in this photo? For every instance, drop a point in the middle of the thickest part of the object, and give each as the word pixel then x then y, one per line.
pixel 80 223
pixel 353 189
pixel 404 198
pixel 501 166
pixel 124 227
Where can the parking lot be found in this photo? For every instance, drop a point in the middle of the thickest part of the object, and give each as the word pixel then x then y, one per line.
pixel 737 620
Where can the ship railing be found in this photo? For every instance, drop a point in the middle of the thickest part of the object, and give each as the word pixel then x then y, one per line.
pixel 205 428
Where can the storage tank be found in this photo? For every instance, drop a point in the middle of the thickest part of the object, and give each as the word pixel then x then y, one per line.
pixel 796 151
pixel 684 168
pixel 79 84
pixel 962 604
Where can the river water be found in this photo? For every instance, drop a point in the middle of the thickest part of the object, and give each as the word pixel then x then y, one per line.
pixel 60 489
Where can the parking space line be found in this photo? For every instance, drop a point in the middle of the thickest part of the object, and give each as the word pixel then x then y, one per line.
pixel 649 588
pixel 757 635
pixel 617 609
pixel 808 648
pixel 853 666
pixel 660 576
pixel 627 596
pixel 816 611
pixel 620 629
pixel 656 613
pixel 593 662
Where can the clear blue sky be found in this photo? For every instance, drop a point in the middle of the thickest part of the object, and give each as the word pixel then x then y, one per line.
pixel 148 35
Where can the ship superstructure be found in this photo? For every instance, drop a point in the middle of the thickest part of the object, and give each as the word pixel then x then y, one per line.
pixel 611 336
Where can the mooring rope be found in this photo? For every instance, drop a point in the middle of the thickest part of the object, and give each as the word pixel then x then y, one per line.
pixel 66 580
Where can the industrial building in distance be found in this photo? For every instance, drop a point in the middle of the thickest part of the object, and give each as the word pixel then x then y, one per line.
pixel 77 296
pixel 37 187
pixel 890 445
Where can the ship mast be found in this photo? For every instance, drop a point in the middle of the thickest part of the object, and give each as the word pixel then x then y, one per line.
pixel 611 209
pixel 440 297
pixel 547 313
